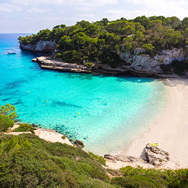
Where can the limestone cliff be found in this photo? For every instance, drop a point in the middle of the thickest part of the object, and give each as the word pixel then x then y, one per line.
pixel 41 46
pixel 143 62
pixel 139 63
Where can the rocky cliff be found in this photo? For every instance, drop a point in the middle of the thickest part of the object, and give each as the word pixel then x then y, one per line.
pixel 41 46
pixel 143 62
pixel 138 64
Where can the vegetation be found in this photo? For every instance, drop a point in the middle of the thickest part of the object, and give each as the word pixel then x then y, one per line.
pixel 24 127
pixel 103 40
pixel 28 161
pixel 7 117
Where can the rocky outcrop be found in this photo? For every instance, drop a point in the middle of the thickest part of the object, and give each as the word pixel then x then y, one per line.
pixel 79 143
pixel 145 63
pixel 122 158
pixel 155 155
pixel 41 46
pixel 49 63
pixel 137 64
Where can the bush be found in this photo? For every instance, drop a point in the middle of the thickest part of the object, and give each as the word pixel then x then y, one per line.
pixel 28 161
pixel 7 117
pixel 136 181
pixel 24 127
pixel 100 159
pixel 63 137
pixel 89 65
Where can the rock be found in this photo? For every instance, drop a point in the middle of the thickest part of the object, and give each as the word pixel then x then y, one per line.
pixel 34 60
pixel 122 158
pixel 109 157
pixel 40 46
pixel 145 63
pixel 155 155
pixel 79 143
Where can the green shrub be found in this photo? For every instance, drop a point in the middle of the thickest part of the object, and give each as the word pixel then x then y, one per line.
pixel 28 161
pixel 7 117
pixel 136 181
pixel 24 127
pixel 89 65
pixel 63 137
pixel 100 159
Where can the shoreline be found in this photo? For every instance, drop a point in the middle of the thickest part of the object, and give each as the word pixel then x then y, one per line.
pixel 46 62
pixel 169 130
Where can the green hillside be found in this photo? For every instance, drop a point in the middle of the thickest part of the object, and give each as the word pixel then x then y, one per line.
pixel 103 40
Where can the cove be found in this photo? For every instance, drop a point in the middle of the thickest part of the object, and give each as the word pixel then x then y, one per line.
pixel 105 112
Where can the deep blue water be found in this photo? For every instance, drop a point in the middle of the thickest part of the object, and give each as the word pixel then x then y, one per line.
pixel 105 112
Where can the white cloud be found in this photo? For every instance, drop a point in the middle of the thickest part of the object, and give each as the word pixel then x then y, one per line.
pixel 83 16
pixel 37 10
pixel 84 9
pixel 94 3
pixel 5 7
pixel 162 7
pixel 150 8
pixel 117 14
pixel 37 2
pixel 89 3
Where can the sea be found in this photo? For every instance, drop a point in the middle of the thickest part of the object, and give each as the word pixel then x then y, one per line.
pixel 105 112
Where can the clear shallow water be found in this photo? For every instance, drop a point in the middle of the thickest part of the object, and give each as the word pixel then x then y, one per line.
pixel 104 112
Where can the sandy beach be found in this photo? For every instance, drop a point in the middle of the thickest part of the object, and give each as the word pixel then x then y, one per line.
pixel 170 130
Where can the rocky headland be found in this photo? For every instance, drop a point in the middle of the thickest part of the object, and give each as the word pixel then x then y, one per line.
pixel 137 64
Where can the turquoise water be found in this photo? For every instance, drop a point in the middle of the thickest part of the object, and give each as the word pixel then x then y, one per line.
pixel 105 112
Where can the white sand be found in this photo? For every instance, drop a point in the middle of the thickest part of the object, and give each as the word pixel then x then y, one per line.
pixel 170 130
pixel 46 134
pixel 52 136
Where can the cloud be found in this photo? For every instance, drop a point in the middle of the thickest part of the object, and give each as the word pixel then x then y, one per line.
pixel 63 2
pixel 83 16
pixel 37 10
pixel 94 3
pixel 148 8
pixel 37 2
pixel 5 7
pixel 117 14
pixel 84 9
pixel 162 7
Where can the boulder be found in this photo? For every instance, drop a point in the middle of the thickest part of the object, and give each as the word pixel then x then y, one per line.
pixel 155 155
pixel 79 143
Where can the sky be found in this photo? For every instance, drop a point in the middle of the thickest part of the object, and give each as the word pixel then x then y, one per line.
pixel 30 16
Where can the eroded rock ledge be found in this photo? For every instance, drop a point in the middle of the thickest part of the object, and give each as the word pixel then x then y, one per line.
pixel 155 157
pixel 57 65
pixel 49 63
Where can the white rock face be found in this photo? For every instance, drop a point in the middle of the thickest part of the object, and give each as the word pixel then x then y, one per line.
pixel 40 46
pixel 143 62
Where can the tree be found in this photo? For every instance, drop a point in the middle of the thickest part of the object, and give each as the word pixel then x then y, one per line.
pixel 171 37
pixel 185 22
pixel 148 47
pixel 128 46
pixel 64 42
pixel 186 35
pixel 105 21
pixel 7 116
pixel 139 36
pixel 83 23
pixel 143 20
